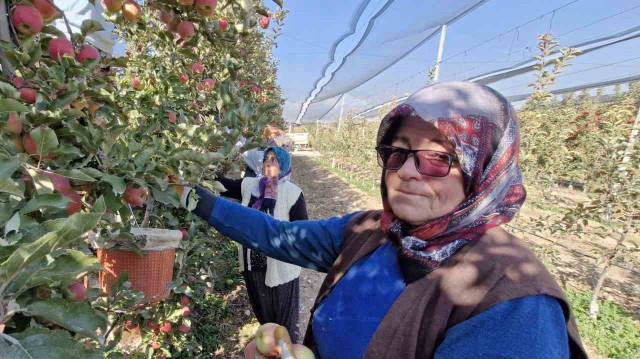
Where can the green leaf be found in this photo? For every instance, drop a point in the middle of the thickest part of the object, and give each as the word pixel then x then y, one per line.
pixel 75 316
pixel 66 99
pixel 117 285
pixel 90 26
pixel 117 183
pixel 42 183
pixel 12 225
pixel 91 172
pixel 76 175
pixel 169 196
pixel 142 157
pixel 203 159
pixel 52 30
pixel 9 91
pixel 42 343
pixel 7 185
pixel 279 3
pixel 9 166
pixel 49 200
pixel 45 139
pixel 11 105
pixel 35 55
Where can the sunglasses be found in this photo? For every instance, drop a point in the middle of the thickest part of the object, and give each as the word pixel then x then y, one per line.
pixel 427 162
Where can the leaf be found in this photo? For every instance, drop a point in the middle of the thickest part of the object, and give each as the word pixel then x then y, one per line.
pixel 52 30
pixel 203 159
pixel 8 167
pixel 7 185
pixel 118 185
pixel 66 99
pixel 35 55
pixel 91 172
pixel 11 105
pixel 117 285
pixel 169 196
pixel 42 343
pixel 48 200
pixel 9 91
pixel 76 175
pixel 42 183
pixel 12 225
pixel 279 3
pixel 45 139
pixel 142 157
pixel 90 26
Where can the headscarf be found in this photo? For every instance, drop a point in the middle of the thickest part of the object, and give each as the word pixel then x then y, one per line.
pixel 483 127
pixel 267 189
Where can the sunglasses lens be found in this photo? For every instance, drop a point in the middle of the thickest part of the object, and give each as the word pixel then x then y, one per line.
pixel 433 163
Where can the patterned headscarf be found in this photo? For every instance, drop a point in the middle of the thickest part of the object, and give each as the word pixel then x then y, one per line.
pixel 267 189
pixel 483 127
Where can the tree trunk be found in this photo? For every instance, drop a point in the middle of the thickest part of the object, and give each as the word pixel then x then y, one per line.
pixel 594 308
pixel 5 34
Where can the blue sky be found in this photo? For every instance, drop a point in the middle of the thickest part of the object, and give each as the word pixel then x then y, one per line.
pixel 311 27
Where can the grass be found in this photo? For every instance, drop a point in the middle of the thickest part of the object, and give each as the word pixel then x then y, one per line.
pixel 366 186
pixel 614 334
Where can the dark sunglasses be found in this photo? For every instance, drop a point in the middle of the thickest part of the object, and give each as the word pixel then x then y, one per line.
pixel 427 162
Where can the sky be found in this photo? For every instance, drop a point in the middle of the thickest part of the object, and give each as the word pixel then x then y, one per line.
pixel 311 27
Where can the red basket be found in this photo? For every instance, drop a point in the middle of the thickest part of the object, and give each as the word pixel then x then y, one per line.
pixel 150 272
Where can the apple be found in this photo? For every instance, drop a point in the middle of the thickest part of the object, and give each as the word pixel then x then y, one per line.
pixel 199 87
pixel 186 311
pixel 184 78
pixel 27 20
pixel 112 5
pixel 155 345
pixel 223 24
pixel 167 17
pixel 28 95
pixel 172 117
pixel 77 291
pixel 264 22
pixel 46 10
pixel 184 235
pixel 186 2
pixel 59 47
pixel 62 185
pixel 266 340
pixel 131 324
pixel 197 68
pixel 14 125
pixel 302 352
pixel 87 52
pixel 17 143
pixel 184 329
pixel 43 292
pixel 209 83
pixel 17 81
pixel 152 325
pixel 134 195
pixel 206 7
pixel 166 327
pixel 131 11
pixel 186 29
pixel 185 300
pixel 136 83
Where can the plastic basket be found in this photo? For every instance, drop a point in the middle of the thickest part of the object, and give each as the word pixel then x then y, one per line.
pixel 150 272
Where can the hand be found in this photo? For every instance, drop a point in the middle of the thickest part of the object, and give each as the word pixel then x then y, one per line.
pixel 187 195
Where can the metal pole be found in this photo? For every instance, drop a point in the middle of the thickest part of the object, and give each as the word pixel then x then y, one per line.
pixel 317 122
pixel 341 110
pixel 443 34
pixel 632 140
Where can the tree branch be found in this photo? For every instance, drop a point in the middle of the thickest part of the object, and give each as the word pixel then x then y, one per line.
pixel 66 22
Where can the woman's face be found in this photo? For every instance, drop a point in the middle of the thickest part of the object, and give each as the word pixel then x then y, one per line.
pixel 270 166
pixel 414 197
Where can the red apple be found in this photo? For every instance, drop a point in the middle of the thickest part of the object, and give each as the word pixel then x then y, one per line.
pixel 242 83
pixel 184 78
pixel 166 327
pixel 264 22
pixel 131 324
pixel 184 235
pixel 87 52
pixel 172 117
pixel 136 83
pixel 47 11
pixel 27 20
pixel 152 325
pixel 223 24
pixel 60 47
pixel 206 7
pixel 155 345
pixel 29 145
pixel 77 291
pixel 199 87
pixel 112 5
pixel 43 292
pixel 184 329
pixel 134 195
pixel 186 311
pixel 28 95
pixel 131 11
pixel 17 81
pixel 14 125
pixel 62 185
pixel 197 68
pixel 185 300
pixel 209 83
pixel 186 2
pixel 186 29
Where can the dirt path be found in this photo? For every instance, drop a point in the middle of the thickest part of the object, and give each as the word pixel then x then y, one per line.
pixel 327 196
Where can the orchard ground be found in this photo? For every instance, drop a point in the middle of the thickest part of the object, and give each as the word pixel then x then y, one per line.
pixel 329 195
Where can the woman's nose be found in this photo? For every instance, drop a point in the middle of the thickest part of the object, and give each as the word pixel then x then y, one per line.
pixel 408 169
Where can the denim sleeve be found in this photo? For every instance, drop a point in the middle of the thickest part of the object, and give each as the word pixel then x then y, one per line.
pixel 310 244
pixel 529 327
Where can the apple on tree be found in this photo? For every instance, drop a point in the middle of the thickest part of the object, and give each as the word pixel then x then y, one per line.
pixel 87 52
pixel 14 125
pixel 59 47
pixel 223 24
pixel 47 11
pixel 27 20
pixel 131 11
pixel 186 30
pixel 112 5
pixel 206 8
pixel 135 195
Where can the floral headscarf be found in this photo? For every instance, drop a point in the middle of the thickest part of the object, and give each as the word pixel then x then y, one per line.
pixel 483 127
pixel 267 188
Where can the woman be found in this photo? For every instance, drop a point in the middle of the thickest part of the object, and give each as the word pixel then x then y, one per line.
pixel 433 274
pixel 273 286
